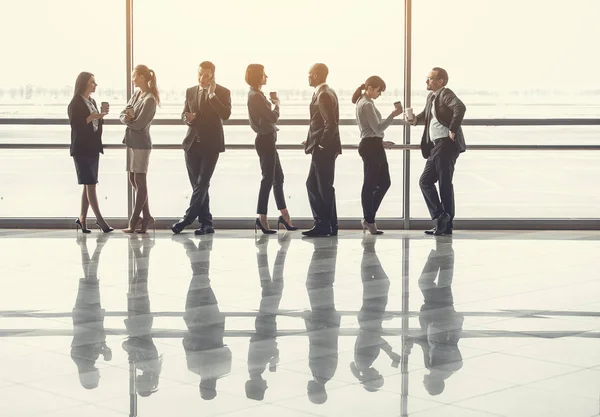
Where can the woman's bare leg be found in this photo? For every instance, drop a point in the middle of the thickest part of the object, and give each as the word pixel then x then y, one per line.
pixel 133 220
pixel 93 201
pixel 141 201
pixel 85 205
pixel 286 216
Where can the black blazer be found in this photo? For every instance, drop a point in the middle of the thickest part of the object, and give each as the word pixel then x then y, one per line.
pixel 84 141
pixel 450 112
pixel 324 130
pixel 208 126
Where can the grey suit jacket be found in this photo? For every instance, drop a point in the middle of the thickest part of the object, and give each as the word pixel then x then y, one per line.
pixel 137 134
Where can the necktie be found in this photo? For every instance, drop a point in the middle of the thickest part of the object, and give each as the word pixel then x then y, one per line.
pixel 202 101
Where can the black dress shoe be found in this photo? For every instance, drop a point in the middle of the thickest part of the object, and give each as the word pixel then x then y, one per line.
pixel 179 226
pixel 204 230
pixel 318 231
pixel 334 230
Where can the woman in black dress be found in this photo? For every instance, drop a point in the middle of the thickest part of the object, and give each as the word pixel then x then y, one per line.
pixel 86 146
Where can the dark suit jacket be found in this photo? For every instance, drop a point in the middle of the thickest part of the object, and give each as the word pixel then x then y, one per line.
pixel 84 141
pixel 450 112
pixel 324 130
pixel 208 126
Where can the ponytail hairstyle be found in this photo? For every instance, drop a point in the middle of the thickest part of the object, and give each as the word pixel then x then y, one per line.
pixel 150 77
pixel 374 82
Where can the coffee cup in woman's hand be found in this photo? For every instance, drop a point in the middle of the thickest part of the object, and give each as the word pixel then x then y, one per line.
pixel 104 107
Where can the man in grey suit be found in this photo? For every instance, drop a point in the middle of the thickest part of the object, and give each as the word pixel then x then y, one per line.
pixel 442 142
pixel 207 105
pixel 323 143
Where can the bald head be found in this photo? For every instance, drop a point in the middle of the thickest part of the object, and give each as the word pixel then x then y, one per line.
pixel 317 74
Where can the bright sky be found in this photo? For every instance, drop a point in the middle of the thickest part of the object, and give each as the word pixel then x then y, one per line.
pixel 484 44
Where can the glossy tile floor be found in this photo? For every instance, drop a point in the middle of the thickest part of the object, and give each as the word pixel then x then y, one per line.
pixel 479 324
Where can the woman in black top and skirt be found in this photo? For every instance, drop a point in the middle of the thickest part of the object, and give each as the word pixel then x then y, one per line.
pixel 262 121
pixel 86 146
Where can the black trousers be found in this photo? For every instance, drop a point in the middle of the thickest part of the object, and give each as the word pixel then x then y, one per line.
pixel 377 179
pixel 440 168
pixel 200 166
pixel 319 184
pixel 272 174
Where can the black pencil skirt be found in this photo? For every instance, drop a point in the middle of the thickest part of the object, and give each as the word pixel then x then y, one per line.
pixel 87 168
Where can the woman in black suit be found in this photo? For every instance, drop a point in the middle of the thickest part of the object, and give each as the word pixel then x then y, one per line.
pixel 263 121
pixel 86 146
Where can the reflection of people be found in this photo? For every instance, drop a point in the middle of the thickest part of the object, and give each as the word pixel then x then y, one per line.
pixel 86 146
pixel 205 352
pixel 323 143
pixel 369 343
pixel 323 320
pixel 89 336
pixel 138 116
pixel 441 325
pixel 139 345
pixel 442 142
pixel 263 121
pixel 372 148
pixel 206 106
pixel 263 350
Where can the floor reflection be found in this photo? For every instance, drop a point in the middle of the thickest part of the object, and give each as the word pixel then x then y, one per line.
pixel 89 335
pixel 322 321
pixel 262 350
pixel 370 341
pixel 206 354
pixel 141 351
pixel 441 325
pixel 393 325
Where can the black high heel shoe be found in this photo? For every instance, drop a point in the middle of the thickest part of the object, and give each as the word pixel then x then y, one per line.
pixel 78 225
pixel 285 224
pixel 107 230
pixel 257 224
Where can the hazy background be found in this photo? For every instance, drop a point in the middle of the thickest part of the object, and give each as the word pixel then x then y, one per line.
pixel 521 59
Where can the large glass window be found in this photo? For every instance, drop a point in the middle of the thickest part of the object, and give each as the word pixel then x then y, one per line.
pixel 518 184
pixel 234 186
pixel 510 58
pixel 286 37
pixel 46 44
pixel 43 183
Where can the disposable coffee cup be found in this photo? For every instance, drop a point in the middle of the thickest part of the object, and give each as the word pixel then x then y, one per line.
pixel 273 95
pixel 398 104
pixel 104 107
pixel 409 113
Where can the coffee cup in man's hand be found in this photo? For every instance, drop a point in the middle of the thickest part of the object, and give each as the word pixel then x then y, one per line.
pixel 273 95
pixel 409 113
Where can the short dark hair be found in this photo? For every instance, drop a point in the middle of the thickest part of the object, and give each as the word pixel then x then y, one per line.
pixel 207 65
pixel 441 73
pixel 254 74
